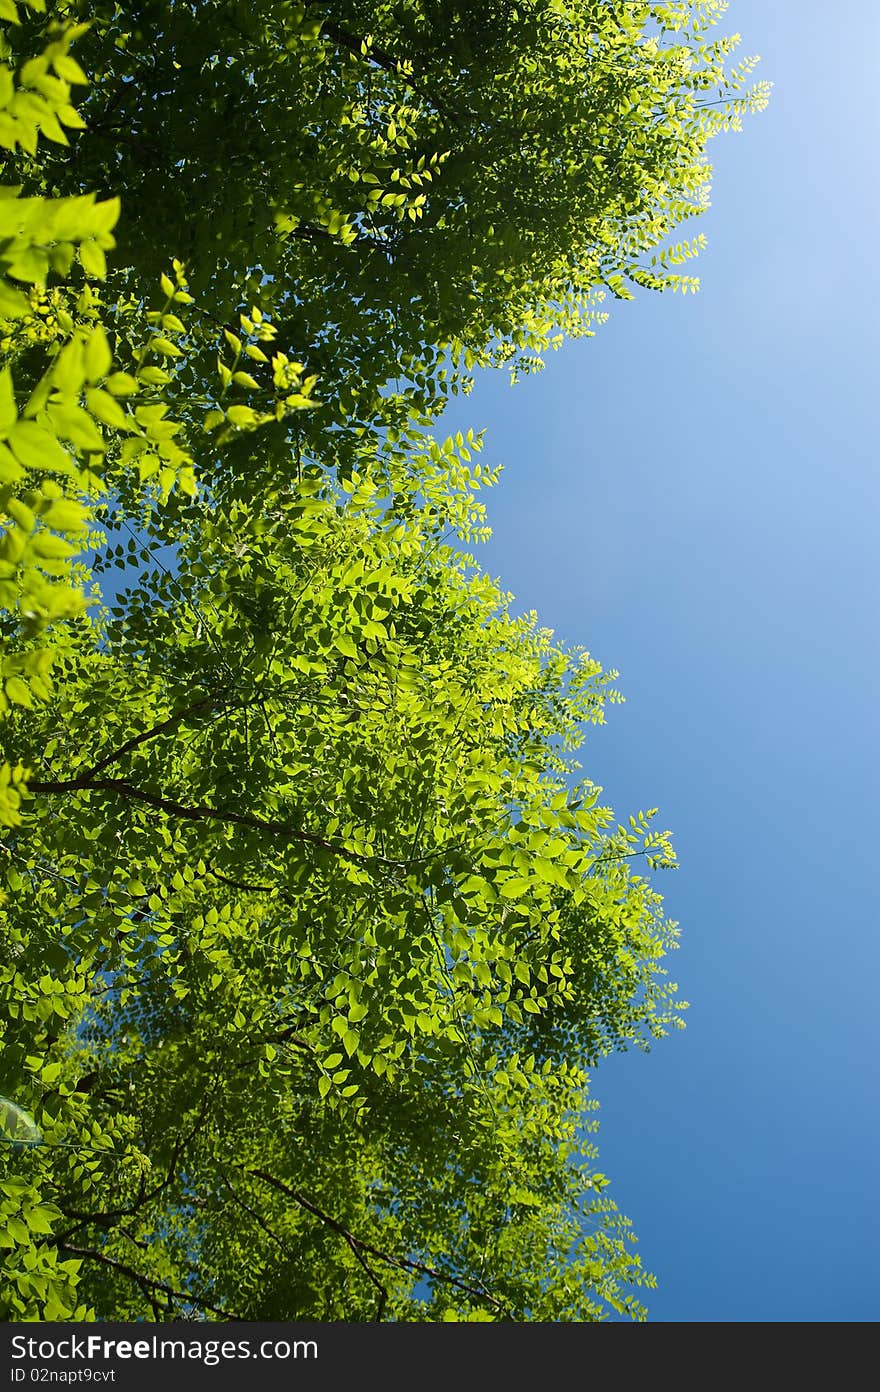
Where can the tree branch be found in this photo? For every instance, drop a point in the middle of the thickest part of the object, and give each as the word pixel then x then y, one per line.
pixel 240 884
pixel 146 1283
pixel 119 137
pixel 155 730
pixel 109 1217
pixel 86 783
pixel 402 1263
pixel 381 58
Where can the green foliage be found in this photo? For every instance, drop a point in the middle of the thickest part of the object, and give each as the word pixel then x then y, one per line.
pixel 312 928
pixel 315 865
pixel 408 190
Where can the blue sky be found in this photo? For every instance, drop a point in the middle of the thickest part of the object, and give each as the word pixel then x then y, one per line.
pixel 694 495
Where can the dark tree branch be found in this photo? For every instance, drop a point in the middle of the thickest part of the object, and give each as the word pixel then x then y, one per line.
pixel 261 1222
pixel 119 137
pixel 307 232
pixel 381 58
pixel 288 1252
pixel 111 1216
pixel 402 1263
pixel 124 789
pixel 373 54
pixel 146 1283
pixel 374 1279
pixel 240 884
pixel 155 730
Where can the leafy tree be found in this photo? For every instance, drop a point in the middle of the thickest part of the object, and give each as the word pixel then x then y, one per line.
pixel 316 860
pixel 407 189
pixel 311 935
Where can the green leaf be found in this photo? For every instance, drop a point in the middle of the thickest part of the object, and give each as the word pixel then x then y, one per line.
pixel 93 260
pixel 153 376
pixel 165 347
pixel 97 357
pixel 17 691
pixel 121 384
pixel 515 888
pixel 13 304
pixel 29 264
pixel 68 372
pixel 8 410
pixel 74 424
pixel 51 548
pixel 107 409
pixel 69 69
pixel 37 448
pixel 18 1231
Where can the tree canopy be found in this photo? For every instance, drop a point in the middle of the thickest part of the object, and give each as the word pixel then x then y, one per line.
pixel 312 927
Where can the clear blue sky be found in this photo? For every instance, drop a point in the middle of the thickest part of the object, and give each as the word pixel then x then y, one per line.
pixel 694 495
